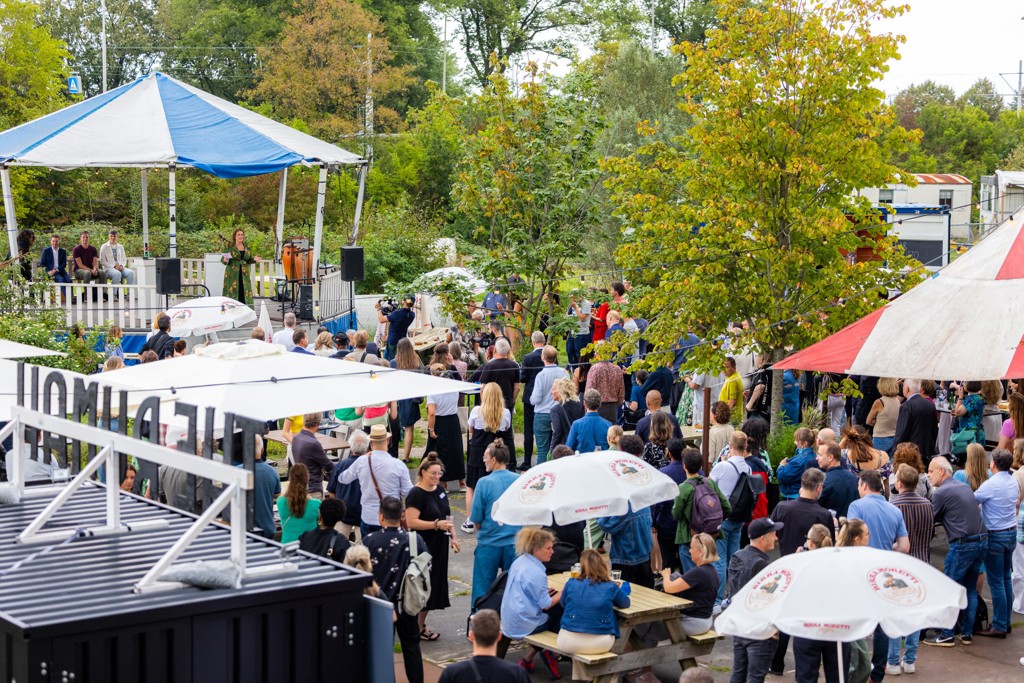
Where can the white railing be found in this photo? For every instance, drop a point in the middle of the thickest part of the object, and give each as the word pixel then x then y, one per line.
pixel 332 296
pixel 193 271
pixel 265 275
pixel 94 305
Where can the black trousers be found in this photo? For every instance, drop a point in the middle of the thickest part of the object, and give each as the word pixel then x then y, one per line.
pixel 408 630
pixel 639 574
pixel 779 660
pixel 812 655
pixel 527 434
pixel 669 550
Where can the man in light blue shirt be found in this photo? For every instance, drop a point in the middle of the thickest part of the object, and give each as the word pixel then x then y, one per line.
pixel 590 432
pixel 997 496
pixel 543 402
pixel 495 543
pixel 888 532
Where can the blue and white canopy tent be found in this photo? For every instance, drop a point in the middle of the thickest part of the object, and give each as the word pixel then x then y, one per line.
pixel 159 122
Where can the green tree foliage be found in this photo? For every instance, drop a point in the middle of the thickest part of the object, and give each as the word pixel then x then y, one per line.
pixel 745 217
pixel 214 44
pixel 909 102
pixel 685 22
pixel 529 183
pixel 496 33
pixel 984 96
pixel 32 65
pixel 133 43
pixel 415 44
pixel 325 66
pixel 398 246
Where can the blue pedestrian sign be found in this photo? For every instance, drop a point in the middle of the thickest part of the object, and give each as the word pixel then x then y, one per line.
pixel 74 84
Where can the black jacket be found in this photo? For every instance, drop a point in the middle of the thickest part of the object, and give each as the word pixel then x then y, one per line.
pixel 918 423
pixel 562 417
pixel 529 369
pixel 160 343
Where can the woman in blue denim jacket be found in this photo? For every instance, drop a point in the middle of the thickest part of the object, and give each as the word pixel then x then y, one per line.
pixel 589 624
pixel 792 469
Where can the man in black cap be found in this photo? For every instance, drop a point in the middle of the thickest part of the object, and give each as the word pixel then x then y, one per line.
pixel 750 658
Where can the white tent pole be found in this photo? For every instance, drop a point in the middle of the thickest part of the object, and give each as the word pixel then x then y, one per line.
pixel 280 213
pixel 145 213
pixel 359 202
pixel 172 208
pixel 12 218
pixel 321 193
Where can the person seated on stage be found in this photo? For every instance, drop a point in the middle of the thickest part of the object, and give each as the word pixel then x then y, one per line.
pixel 87 264
pixel 54 262
pixel 114 261
pixel 589 625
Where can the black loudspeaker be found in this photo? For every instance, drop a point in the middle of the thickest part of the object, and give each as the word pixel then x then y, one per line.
pixel 352 264
pixel 305 311
pixel 168 276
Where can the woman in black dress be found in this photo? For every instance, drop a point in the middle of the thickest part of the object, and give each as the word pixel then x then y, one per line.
pixel 444 430
pixel 428 513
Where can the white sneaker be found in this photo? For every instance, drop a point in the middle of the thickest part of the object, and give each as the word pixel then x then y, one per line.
pixel 468 527
pixel 908 667
pixel 893 670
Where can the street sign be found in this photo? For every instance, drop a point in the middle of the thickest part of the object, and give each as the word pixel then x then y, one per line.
pixel 74 84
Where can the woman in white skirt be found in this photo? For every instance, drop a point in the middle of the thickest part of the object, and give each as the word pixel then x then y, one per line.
pixel 589 625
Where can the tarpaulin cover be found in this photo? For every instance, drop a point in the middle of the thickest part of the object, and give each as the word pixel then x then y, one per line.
pixel 966 322
pixel 157 120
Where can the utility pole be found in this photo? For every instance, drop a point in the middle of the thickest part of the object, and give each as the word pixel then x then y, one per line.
pixel 444 58
pixel 103 41
pixel 1018 92
pixel 368 124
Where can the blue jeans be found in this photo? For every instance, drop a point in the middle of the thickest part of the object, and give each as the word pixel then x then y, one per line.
pixel 910 655
pixel 963 564
pixel 999 566
pixel 542 435
pixel 487 560
pixel 884 443
pixel 684 558
pixel 574 345
pixel 727 546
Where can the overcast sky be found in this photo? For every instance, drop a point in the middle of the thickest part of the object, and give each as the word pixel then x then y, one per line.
pixel 956 42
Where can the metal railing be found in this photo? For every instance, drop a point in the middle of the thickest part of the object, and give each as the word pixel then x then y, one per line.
pixel 333 295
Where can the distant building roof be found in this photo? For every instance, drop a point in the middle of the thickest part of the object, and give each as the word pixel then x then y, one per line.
pixel 941 179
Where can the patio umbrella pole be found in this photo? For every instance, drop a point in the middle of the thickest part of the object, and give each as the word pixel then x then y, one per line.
pixel 841 667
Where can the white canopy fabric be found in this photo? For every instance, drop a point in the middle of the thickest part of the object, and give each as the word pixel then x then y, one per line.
pixel 266 382
pixel 966 322
pixel 208 314
pixel 13 349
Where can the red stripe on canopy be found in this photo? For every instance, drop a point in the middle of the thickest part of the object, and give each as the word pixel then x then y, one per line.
pixel 835 353
pixel 1013 263
pixel 1016 368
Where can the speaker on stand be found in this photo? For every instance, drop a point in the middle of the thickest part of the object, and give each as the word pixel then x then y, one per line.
pixel 168 278
pixel 352 272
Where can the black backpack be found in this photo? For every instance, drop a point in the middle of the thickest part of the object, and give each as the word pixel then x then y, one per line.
pixel 744 496
pixel 492 598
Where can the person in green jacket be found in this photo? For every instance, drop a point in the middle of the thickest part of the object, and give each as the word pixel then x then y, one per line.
pixel 237 283
pixel 682 508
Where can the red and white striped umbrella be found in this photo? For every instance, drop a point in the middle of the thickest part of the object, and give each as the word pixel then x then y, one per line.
pixel 966 322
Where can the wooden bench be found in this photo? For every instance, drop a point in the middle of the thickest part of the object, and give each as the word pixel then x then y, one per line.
pixel 549 641
pixel 706 637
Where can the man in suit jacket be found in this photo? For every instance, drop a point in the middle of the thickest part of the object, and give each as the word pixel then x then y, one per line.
pixel 162 343
pixel 917 423
pixel 55 262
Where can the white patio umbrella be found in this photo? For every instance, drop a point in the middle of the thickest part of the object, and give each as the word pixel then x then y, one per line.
pixel 841 595
pixel 581 487
pixel 264 323
pixel 13 349
pixel 208 314
pixel 265 382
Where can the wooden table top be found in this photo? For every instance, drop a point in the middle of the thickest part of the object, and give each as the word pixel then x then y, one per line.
pixel 642 601
pixel 691 433
pixel 329 443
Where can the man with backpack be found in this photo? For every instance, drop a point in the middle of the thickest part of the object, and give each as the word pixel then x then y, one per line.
pixel 324 540
pixel 391 557
pixel 737 483
pixel 700 506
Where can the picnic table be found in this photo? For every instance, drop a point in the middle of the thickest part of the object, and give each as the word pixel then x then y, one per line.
pixel 645 606
pixel 691 435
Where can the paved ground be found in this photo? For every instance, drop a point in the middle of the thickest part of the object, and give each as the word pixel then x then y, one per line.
pixel 991 661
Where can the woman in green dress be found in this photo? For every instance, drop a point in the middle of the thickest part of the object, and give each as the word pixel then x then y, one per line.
pixel 237 285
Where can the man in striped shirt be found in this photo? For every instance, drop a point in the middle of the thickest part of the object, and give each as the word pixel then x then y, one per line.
pixel 920 522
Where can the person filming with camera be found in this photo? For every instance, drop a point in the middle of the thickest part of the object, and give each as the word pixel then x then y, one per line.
pixel 398 321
